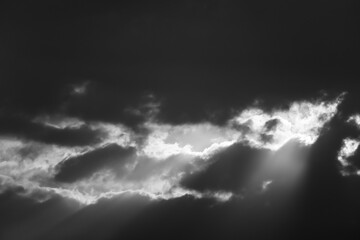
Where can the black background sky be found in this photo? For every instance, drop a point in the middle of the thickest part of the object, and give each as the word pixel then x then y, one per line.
pixel 201 60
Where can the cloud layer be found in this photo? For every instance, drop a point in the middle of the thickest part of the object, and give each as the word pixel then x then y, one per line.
pixel 162 160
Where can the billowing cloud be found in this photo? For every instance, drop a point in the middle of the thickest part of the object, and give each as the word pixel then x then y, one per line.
pixel 215 100
pixel 166 160
pixel 302 121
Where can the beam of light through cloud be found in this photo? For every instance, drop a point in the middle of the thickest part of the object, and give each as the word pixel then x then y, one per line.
pixel 166 154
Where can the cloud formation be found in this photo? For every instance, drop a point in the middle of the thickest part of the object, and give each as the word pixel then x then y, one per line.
pixel 66 136
pixel 214 100
pixel 303 121
pixel 111 156
pixel 165 160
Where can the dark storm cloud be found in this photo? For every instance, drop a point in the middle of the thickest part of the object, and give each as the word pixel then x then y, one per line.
pixel 203 61
pixel 26 129
pixel 112 156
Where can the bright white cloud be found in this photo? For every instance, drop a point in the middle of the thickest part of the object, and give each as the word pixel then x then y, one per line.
pixel 157 148
pixel 156 159
pixel 59 121
pixel 200 140
pixel 347 150
pixel 355 119
pixel 302 121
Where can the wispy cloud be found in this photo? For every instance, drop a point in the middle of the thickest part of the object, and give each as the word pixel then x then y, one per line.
pixel 159 161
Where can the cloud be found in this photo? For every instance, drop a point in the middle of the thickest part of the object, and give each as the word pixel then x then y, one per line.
pixel 266 184
pixel 354 119
pixel 166 160
pixel 146 63
pixel 67 136
pixel 349 152
pixel 80 89
pixel 200 140
pixel 302 121
pixel 133 107
pixel 18 163
pixel 112 156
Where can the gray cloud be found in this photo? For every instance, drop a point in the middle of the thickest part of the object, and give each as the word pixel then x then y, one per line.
pixel 112 156
pixel 20 127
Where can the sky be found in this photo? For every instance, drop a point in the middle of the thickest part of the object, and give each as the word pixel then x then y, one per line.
pixel 189 119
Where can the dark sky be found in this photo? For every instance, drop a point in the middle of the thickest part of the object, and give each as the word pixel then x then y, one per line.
pixel 186 119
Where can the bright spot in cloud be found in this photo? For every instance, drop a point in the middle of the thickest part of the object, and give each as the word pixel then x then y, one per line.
pixel 193 139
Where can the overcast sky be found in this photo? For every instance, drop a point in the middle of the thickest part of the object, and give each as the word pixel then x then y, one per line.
pixel 186 119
